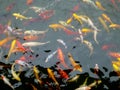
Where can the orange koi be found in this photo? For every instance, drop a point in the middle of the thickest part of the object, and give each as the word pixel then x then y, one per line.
pixel 29 2
pixel 31 37
pixel 11 48
pixel 51 75
pixel 62 73
pixel 74 64
pixel 67 31
pixel 2 42
pixel 114 54
pixel 105 16
pixel 61 57
pixel 106 47
pixel 10 7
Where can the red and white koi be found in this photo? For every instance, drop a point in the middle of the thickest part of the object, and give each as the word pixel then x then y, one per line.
pixel 6 80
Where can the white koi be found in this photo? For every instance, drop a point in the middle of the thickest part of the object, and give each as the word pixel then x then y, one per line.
pixel 50 56
pixel 89 45
pixel 34 32
pixel 81 36
pixel 32 44
pixel 62 42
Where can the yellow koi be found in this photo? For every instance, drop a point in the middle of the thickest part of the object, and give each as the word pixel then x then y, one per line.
pixel 21 17
pixel 115 67
pixel 15 75
pixel 89 45
pixel 78 18
pixel 114 25
pixel 105 16
pixel 74 64
pixel 11 48
pixel 56 26
pixel 36 72
pixel 51 75
pixel 86 30
pixel 99 5
pixel 104 24
pixel 69 20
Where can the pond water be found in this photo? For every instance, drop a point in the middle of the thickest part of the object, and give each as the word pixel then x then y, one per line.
pixel 30 21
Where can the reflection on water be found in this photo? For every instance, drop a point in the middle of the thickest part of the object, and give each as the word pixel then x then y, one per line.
pixel 59 44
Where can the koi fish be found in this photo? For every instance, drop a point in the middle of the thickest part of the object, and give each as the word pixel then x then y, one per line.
pixel 78 18
pixel 75 78
pixel 69 20
pixel 99 5
pixel 86 30
pixel 36 72
pixel 15 75
pixel 104 24
pixel 34 32
pixel 95 36
pixel 21 17
pixel 6 81
pixel 23 63
pixel 67 31
pixel 11 48
pixel 56 26
pixel 50 56
pixel 31 37
pixel 115 67
pixel 61 57
pixel 32 44
pixel 10 7
pixel 29 2
pixel 74 64
pixel 105 16
pixel 81 36
pixel 62 42
pixel 114 54
pixel 66 24
pixel 114 26
pixel 106 46
pixel 90 2
pixel 63 74
pixel 51 75
pixel 5 40
pixel 89 45
pixel 47 14
pixel 96 68
pixel 116 63
pixel 83 88
pixel 37 9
